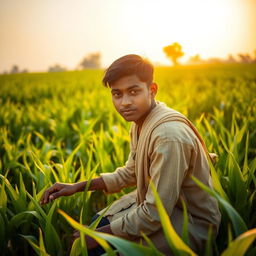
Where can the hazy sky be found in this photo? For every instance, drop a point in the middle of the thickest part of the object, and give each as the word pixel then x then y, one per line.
pixel 35 34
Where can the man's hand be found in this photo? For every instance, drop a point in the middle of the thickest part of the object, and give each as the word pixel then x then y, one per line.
pixel 65 189
pixel 57 190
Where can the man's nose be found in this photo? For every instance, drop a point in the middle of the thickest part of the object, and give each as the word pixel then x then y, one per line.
pixel 125 100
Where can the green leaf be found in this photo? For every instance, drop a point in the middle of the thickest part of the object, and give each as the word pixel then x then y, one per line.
pixel 216 182
pixel 76 248
pixel 14 195
pixel 39 249
pixel 41 243
pixel 185 237
pixel 237 222
pixel 208 246
pixel 2 233
pixel 175 242
pixel 240 245
pixel 21 218
pixel 3 198
pixel 151 245
pixel 52 239
pixel 67 164
pixel 245 165
pixel 38 207
pixel 22 190
pixel 50 213
pixel 238 185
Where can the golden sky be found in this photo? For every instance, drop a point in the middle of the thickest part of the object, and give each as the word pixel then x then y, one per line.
pixel 35 34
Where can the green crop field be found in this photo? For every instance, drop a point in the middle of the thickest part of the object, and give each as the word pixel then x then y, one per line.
pixel 62 127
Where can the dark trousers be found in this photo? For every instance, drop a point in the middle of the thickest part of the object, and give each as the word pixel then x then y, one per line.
pixel 97 251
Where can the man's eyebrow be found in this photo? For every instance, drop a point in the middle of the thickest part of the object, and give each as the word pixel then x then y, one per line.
pixel 129 88
pixel 133 87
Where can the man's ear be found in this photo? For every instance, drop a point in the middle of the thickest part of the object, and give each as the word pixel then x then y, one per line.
pixel 153 89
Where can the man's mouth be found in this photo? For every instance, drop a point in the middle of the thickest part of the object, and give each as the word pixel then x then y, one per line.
pixel 127 111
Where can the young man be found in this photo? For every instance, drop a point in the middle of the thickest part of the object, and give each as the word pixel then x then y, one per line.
pixel 166 149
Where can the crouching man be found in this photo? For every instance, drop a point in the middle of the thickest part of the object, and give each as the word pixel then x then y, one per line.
pixel 165 148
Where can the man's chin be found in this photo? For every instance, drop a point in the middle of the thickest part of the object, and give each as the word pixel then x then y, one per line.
pixel 128 118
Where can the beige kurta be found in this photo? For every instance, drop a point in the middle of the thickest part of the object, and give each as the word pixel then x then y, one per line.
pixel 168 151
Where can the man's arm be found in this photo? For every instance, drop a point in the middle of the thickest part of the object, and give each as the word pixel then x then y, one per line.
pixel 122 177
pixel 67 189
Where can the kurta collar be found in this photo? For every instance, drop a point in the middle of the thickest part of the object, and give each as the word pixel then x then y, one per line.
pixel 147 120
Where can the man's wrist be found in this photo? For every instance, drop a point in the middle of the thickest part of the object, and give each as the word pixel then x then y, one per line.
pixel 105 229
pixel 95 184
pixel 80 186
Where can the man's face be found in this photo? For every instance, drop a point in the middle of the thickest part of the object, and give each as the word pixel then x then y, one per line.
pixel 133 98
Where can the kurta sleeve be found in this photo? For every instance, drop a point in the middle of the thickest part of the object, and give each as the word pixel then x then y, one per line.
pixel 121 177
pixel 169 164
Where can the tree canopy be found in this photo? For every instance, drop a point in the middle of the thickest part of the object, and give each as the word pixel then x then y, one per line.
pixel 173 52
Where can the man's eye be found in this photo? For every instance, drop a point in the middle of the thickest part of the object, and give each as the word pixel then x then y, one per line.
pixel 116 94
pixel 133 92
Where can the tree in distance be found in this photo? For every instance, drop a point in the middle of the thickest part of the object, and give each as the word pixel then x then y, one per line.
pixel 56 68
pixel 16 70
pixel 90 61
pixel 196 59
pixel 173 52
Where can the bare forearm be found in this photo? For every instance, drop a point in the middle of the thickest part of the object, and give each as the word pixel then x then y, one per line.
pixel 105 229
pixel 95 184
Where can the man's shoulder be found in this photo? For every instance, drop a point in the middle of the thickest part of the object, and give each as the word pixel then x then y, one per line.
pixel 174 131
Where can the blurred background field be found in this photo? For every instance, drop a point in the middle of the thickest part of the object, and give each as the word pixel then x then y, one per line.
pixel 62 127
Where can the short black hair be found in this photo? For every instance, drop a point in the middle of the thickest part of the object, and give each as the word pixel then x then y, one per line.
pixel 131 64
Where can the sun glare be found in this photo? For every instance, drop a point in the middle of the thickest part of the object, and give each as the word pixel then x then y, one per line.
pixel 199 26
